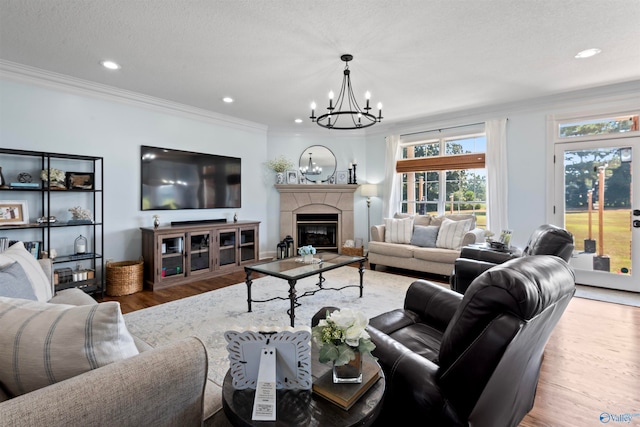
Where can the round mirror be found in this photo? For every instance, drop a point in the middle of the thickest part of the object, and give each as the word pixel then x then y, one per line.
pixel 317 164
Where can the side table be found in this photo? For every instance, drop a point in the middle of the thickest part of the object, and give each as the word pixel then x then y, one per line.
pixel 302 407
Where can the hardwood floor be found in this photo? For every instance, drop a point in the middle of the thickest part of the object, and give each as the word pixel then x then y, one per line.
pixel 591 364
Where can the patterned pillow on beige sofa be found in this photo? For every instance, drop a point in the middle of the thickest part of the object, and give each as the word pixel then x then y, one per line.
pixel 42 343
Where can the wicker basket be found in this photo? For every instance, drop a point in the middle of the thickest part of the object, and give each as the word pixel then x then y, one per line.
pixel 124 277
pixel 353 251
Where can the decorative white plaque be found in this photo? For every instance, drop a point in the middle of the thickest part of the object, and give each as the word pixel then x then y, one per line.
pixel 293 356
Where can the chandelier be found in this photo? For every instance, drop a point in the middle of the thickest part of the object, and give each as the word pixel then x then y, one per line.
pixel 352 117
pixel 310 169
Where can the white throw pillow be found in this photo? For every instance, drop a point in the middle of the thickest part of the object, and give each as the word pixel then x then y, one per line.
pixel 38 280
pixel 452 232
pixel 398 230
pixel 42 343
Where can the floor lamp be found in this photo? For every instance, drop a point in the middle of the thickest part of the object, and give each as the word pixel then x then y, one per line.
pixel 369 191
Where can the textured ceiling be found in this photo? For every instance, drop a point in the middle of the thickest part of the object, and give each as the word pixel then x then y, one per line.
pixel 274 57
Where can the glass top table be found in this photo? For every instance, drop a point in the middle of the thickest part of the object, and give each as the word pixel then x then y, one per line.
pixel 293 269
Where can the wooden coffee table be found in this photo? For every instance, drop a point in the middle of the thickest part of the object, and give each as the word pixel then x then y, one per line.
pixel 292 270
pixel 303 407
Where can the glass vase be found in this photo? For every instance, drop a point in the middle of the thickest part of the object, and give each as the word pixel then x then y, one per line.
pixel 307 259
pixel 351 373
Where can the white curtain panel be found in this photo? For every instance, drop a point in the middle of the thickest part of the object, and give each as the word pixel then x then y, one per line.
pixel 497 185
pixel 391 187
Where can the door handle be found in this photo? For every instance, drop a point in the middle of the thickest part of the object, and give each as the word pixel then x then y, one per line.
pixel 636 223
pixel 636 212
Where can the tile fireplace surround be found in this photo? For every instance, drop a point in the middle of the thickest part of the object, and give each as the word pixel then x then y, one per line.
pixel 316 199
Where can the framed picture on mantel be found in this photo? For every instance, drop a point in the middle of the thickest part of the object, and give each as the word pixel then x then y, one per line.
pixel 342 177
pixel 292 177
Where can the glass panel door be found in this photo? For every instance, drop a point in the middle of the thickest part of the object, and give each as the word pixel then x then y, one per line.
pixel 247 244
pixel 227 247
pixel 172 255
pixel 594 200
pixel 199 252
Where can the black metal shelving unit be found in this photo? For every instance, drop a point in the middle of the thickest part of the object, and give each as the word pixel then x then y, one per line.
pixel 46 204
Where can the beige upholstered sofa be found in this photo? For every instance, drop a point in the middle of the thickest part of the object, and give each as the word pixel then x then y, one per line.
pixel 422 242
pixel 164 386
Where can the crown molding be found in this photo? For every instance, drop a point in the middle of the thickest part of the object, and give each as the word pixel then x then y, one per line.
pixel 625 92
pixel 25 74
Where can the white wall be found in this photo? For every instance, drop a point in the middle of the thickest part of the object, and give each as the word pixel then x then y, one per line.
pixel 346 148
pixel 38 118
pixel 530 168
pixel 45 119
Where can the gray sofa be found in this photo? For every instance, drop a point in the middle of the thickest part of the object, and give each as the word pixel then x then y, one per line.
pixel 164 386
pixel 430 256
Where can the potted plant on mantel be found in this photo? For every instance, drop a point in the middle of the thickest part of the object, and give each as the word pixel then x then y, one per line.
pixel 280 165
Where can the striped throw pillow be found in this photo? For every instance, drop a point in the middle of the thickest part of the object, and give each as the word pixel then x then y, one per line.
pixel 42 343
pixel 398 230
pixel 452 232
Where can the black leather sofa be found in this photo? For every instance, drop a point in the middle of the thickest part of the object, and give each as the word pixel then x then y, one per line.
pixel 473 359
pixel 547 239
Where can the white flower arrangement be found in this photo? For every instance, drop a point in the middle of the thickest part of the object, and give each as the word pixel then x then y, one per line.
pixel 488 235
pixel 280 164
pixel 55 174
pixel 340 334
pixel 306 250
pixel 80 213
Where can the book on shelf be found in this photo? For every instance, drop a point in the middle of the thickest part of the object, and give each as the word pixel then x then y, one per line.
pixel 346 395
pixel 24 185
pixel 35 248
pixel 4 244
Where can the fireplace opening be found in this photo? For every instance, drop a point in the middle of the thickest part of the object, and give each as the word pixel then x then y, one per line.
pixel 318 230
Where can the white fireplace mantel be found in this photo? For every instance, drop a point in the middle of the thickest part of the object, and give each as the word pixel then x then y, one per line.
pixel 316 198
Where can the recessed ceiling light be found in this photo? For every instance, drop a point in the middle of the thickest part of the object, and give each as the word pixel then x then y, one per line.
pixel 588 53
pixel 110 65
pixel 298 120
pixel 227 99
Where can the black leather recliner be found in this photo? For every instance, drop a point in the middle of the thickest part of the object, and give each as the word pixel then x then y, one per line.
pixel 471 360
pixel 547 239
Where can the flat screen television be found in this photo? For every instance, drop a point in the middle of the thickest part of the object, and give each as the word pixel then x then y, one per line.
pixel 175 179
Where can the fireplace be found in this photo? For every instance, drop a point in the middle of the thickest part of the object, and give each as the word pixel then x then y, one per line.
pixel 318 230
pixel 331 205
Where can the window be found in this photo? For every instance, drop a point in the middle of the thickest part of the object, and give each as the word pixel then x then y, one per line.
pixel 444 175
pixel 598 126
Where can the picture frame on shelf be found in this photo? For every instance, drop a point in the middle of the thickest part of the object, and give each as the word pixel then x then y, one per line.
pixel 342 177
pixel 505 238
pixel 80 180
pixel 14 212
pixel 292 176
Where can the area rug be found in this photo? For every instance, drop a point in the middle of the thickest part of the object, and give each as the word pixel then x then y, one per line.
pixel 207 316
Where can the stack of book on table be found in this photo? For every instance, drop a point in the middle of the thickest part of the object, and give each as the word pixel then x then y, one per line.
pixel 346 395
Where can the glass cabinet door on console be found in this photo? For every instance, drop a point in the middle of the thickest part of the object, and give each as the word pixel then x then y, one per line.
pixel 199 252
pixel 172 255
pixel 227 248
pixel 248 247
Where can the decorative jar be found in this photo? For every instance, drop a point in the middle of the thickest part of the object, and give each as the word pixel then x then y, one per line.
pixel 351 372
pixel 81 244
